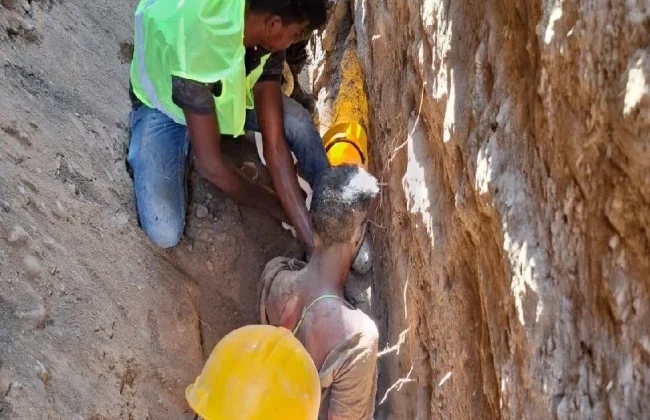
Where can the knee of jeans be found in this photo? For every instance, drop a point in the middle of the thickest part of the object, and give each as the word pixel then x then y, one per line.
pixel 165 234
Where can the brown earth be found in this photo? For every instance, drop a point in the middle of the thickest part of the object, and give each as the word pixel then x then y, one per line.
pixel 513 139
pixel 95 323
pixel 512 236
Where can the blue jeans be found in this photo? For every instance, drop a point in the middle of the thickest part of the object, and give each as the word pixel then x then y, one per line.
pixel 158 158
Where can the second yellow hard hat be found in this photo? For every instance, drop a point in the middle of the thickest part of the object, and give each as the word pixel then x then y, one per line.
pixel 257 372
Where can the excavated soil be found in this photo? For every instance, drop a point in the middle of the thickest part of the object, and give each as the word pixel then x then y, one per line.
pixel 512 139
pixel 512 234
pixel 95 323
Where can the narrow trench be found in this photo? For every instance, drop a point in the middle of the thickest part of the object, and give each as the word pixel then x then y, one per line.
pixel 340 93
pixel 510 263
pixel 417 368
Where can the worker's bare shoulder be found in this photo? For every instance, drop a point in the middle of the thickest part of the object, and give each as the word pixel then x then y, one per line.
pixel 279 280
pixel 366 327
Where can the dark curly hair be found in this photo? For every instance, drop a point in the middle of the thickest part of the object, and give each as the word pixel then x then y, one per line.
pixel 341 201
pixel 314 12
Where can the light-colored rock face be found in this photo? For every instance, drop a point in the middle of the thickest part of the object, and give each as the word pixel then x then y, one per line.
pixel 513 139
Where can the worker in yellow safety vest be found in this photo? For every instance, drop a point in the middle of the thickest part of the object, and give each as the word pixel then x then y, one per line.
pixel 203 69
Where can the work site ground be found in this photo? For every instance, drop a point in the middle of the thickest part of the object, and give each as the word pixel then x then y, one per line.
pixel 511 235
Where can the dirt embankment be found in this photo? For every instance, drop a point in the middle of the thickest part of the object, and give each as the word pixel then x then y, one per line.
pixel 94 322
pixel 514 142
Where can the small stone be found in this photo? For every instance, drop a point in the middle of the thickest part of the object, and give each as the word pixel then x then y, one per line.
pixel 5 206
pixel 614 241
pixel 18 235
pixel 250 170
pixel 58 210
pixel 42 372
pixel 49 243
pixel 32 266
pixel 72 189
pixel 23 137
pixel 37 316
pixel 17 159
pixel 190 247
pixel 209 265
pixel 21 189
pixel 201 211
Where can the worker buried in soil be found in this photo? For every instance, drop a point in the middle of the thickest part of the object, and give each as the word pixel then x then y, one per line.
pixel 186 92
pixel 306 299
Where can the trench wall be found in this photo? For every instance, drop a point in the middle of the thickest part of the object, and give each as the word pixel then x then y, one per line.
pixel 512 139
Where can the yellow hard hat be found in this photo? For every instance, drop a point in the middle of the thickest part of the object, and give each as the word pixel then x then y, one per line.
pixel 257 372
pixel 346 143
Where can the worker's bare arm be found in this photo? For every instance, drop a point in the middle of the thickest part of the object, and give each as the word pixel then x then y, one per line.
pixel 206 142
pixel 268 105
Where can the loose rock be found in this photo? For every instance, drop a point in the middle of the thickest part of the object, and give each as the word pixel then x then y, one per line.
pixel 37 317
pixel 72 189
pixel 18 236
pixel 33 266
pixel 59 211
pixel 49 243
pixel 250 170
pixel 43 373
pixel 201 211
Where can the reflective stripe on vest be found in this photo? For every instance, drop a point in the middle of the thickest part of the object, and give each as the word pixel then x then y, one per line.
pixel 142 69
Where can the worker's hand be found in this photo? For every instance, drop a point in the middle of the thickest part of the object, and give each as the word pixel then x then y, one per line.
pixel 270 115
pixel 206 143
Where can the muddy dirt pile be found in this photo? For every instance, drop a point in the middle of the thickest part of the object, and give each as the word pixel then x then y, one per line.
pixel 514 142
